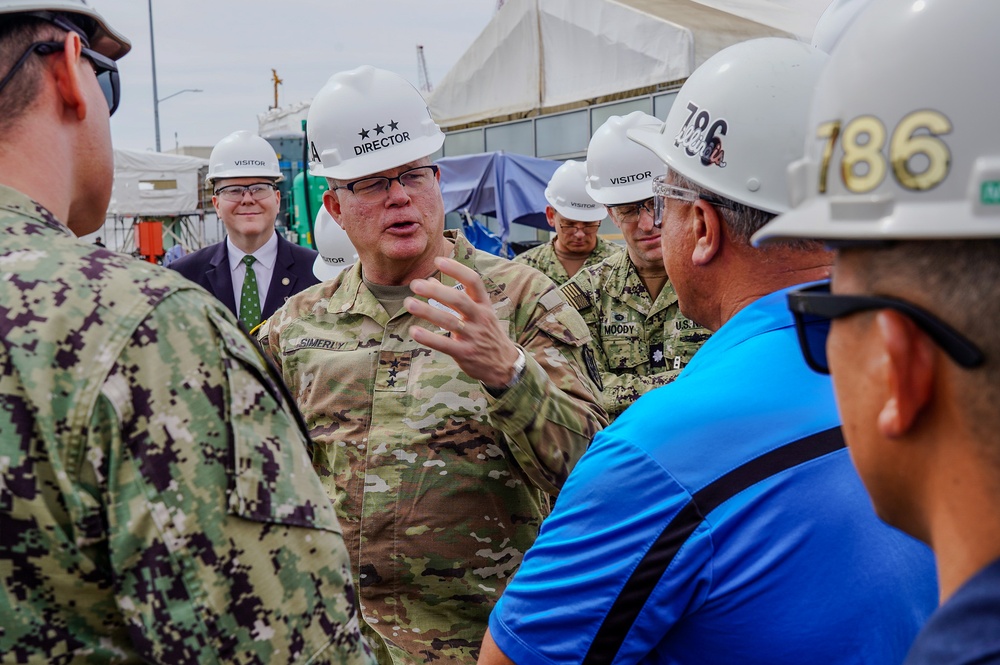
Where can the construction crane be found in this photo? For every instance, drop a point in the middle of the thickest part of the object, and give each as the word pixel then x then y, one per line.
pixel 277 82
pixel 424 77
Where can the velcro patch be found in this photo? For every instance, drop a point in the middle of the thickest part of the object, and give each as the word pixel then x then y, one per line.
pixel 576 296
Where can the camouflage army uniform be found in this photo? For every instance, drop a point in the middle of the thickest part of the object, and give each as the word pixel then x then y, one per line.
pixel 544 258
pixel 440 488
pixel 640 345
pixel 156 497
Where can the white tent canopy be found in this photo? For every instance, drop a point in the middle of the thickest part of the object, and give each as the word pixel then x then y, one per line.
pixel 154 183
pixel 539 55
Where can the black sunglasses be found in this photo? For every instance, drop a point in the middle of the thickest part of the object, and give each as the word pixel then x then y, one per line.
pixel 104 67
pixel 815 307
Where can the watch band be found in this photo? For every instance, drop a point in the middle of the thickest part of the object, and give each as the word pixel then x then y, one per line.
pixel 519 366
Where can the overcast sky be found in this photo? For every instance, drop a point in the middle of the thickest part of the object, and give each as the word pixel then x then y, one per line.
pixel 227 48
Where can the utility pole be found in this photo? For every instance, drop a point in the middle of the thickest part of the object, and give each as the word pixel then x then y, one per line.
pixel 277 82
pixel 156 96
pixel 424 77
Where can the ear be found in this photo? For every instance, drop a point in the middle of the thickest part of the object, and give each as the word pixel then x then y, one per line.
pixel 331 201
pixel 69 83
pixel 215 203
pixel 909 367
pixel 277 195
pixel 706 227
pixel 550 216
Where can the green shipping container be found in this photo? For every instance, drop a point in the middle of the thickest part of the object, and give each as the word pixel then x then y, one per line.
pixel 303 214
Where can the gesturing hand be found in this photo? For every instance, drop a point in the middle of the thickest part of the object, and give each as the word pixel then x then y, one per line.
pixel 478 342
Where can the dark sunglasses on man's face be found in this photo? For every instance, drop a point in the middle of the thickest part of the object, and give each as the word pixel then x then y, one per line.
pixel 105 68
pixel 815 307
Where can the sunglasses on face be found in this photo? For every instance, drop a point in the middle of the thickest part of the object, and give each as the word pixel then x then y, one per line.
pixel 815 307
pixel 104 67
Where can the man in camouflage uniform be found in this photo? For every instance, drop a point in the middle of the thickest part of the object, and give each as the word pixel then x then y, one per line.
pixel 157 502
pixel 575 217
pixel 446 389
pixel 641 339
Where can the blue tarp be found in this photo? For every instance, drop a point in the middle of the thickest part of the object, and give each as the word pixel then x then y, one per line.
pixel 507 186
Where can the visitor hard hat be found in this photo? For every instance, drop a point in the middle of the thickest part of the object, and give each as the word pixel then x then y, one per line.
pixel 102 38
pixel 902 141
pixel 567 193
pixel 336 252
pixel 740 120
pixel 368 120
pixel 243 154
pixel 618 170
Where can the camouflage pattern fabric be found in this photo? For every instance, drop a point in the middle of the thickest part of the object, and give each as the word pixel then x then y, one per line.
pixel 440 488
pixel 640 344
pixel 544 258
pixel 157 501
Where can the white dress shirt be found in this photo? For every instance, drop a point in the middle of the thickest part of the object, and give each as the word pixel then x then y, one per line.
pixel 263 267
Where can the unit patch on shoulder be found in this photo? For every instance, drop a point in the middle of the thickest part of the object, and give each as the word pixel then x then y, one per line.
pixel 592 370
pixel 576 296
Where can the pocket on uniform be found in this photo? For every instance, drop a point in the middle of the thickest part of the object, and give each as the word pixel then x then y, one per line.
pixel 623 352
pixel 271 477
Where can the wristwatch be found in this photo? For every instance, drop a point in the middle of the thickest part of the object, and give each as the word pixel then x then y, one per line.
pixel 519 366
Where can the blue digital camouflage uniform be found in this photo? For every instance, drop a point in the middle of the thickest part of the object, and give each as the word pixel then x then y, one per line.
pixel 157 502
pixel 640 343
pixel 544 258
pixel 439 487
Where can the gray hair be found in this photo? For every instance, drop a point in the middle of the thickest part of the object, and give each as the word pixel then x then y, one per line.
pixel 742 220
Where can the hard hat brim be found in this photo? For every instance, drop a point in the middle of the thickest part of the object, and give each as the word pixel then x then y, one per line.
pixel 324 271
pixel 578 215
pixel 375 162
pixel 864 220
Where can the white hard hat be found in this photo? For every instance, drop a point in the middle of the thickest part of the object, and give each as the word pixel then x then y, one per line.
pixel 368 120
pixel 243 154
pixel 739 121
pixel 336 252
pixel 834 22
pixel 102 38
pixel 567 193
pixel 902 140
pixel 619 171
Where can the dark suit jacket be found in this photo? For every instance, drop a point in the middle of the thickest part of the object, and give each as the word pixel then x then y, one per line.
pixel 209 268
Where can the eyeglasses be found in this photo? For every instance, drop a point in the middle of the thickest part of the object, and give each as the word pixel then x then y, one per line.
pixel 375 189
pixel 105 69
pixel 815 307
pixel 235 193
pixel 663 191
pixel 628 213
pixel 573 227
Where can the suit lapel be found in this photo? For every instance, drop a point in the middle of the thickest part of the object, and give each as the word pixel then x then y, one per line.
pixel 283 279
pixel 220 277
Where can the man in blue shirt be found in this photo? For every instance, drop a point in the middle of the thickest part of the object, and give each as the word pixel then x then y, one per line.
pixel 909 330
pixel 719 519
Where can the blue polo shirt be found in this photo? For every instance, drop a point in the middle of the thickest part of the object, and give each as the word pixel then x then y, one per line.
pixel 647 558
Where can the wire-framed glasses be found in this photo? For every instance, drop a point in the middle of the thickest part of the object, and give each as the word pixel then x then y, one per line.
pixel 416 179
pixel 628 213
pixel 235 193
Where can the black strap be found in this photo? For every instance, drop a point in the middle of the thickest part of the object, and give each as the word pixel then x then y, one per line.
pixel 637 590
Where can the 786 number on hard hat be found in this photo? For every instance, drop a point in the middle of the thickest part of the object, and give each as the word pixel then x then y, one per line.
pixel 863 140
